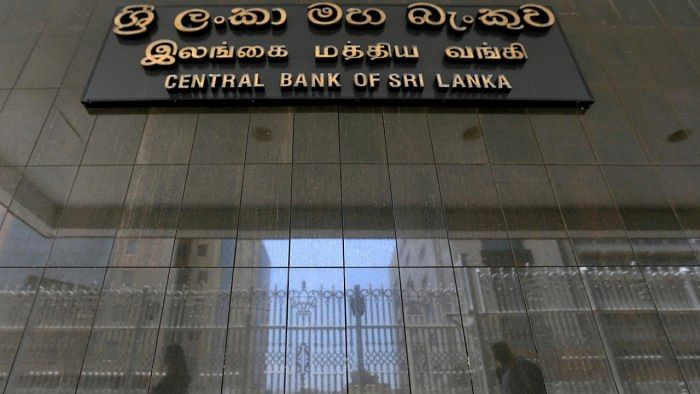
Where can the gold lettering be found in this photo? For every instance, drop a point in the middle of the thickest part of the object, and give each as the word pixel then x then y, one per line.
pixel 170 82
pixel 334 81
pixel 318 80
pixel 134 20
pixel 223 52
pixel 379 52
pixel 537 16
pixel 394 81
pixel 485 52
pixel 277 53
pixel 359 80
pixel 503 82
pixel 473 81
pixel 245 82
pixel 328 52
pixel 410 80
pixel 194 53
pixel 486 81
pixel 184 82
pixel 251 52
pixel 279 17
pixel 249 17
pixel 198 81
pixel 533 16
pixel 500 18
pixel 228 81
pixel 352 53
pixel 160 53
pixel 370 17
pixel 195 20
pixel 514 52
pixel 324 14
pixel 300 81
pixel 459 53
pixel 257 83
pixel 439 84
pixel 406 53
pixel 482 82
pixel 285 80
pixel 214 80
pixel 462 25
pixel 420 14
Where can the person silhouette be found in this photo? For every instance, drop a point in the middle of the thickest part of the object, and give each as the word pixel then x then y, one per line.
pixel 517 375
pixel 177 378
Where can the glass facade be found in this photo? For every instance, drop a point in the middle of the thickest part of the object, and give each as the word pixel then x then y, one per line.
pixel 352 249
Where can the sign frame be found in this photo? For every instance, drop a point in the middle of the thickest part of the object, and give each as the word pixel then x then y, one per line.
pixel 582 101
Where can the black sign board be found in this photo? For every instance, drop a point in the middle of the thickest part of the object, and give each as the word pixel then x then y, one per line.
pixel 421 53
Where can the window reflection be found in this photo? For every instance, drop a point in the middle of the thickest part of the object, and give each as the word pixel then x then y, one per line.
pixel 201 252
pixel 669 251
pixel 417 252
pixel 603 251
pixel 544 252
pixel 481 252
pixel 141 252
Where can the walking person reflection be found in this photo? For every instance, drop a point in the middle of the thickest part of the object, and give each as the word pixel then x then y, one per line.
pixel 516 374
pixel 177 378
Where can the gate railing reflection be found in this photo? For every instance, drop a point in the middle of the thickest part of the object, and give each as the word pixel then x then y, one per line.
pixel 125 346
pixel 320 340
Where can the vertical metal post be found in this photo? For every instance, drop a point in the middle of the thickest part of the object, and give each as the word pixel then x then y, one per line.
pixel 357 306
